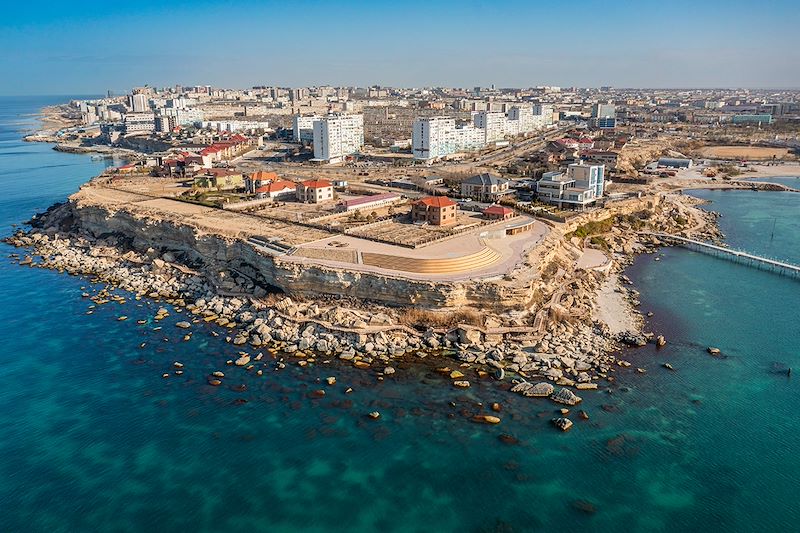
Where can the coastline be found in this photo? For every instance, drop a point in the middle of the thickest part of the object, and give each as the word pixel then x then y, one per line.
pixel 571 354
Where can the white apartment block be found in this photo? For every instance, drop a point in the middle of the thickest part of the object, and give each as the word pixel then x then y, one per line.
pixel 520 120
pixel 303 127
pixel 437 137
pixel 493 123
pixel 139 103
pixel 544 113
pixel 140 122
pixel 337 136
pixel 236 125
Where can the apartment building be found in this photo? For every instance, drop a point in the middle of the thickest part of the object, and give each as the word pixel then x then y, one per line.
pixel 436 137
pixel 303 128
pixel 140 122
pixel 493 123
pixel 338 136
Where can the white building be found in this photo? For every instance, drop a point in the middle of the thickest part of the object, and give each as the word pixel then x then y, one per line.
pixel 140 122
pixel 543 114
pixel 337 136
pixel 588 176
pixel 236 125
pixel 139 103
pixel 520 120
pixel 437 137
pixel 493 123
pixel 303 128
pixel 557 189
pixel 183 116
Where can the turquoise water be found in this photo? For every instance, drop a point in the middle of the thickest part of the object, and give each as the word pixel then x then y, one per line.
pixel 789 181
pixel 94 439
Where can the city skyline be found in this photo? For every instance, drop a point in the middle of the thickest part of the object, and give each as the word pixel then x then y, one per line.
pixel 241 44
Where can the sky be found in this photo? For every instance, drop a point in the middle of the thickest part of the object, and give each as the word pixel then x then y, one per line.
pixel 88 47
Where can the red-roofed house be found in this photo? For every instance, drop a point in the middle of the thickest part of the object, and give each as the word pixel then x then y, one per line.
pixel 314 191
pixel 498 212
pixel 277 189
pixel 259 179
pixel 435 210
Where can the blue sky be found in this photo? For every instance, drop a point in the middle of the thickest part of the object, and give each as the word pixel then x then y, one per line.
pixel 89 47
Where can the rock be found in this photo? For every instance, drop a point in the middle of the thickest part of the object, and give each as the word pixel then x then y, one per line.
pixel 583 414
pixel 584 506
pixel 242 361
pixel 713 351
pixel 539 390
pixel 183 325
pixel 214 382
pixel 374 415
pixel 486 419
pixel 562 423
pixel 218 374
pixel 388 371
pixel 331 380
pixel 668 366
pixel 586 386
pixel 505 438
pixel 566 396
pixel 176 364
pixel 631 338
pixel 660 341
pixel 455 374
pixel 317 393
pixel 461 384
pixel 496 407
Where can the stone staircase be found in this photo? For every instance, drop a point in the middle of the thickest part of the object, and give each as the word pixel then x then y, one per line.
pixel 476 261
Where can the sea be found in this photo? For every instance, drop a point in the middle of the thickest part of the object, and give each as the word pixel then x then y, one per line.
pixel 95 439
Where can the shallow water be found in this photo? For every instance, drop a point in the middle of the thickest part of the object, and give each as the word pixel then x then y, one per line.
pixel 95 439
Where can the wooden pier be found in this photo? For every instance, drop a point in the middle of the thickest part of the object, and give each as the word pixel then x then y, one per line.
pixel 773 265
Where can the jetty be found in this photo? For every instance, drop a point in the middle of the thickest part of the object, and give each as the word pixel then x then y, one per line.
pixel 765 263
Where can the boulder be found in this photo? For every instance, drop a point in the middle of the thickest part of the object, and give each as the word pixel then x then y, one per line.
pixel 566 397
pixel 562 423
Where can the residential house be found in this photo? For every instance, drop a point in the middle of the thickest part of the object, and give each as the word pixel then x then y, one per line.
pixel 435 210
pixel 259 179
pixel 557 189
pixel 485 187
pixel 277 190
pixel 314 191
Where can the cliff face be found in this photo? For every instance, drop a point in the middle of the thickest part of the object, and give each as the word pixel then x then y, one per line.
pixel 212 254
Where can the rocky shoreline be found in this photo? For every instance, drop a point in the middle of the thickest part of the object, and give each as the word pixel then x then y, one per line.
pixel 577 354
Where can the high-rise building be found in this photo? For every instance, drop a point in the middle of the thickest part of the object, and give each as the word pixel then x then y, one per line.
pixel 437 137
pixel 520 120
pixel 303 127
pixel 337 136
pixel 545 111
pixel 600 110
pixel 493 123
pixel 139 103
